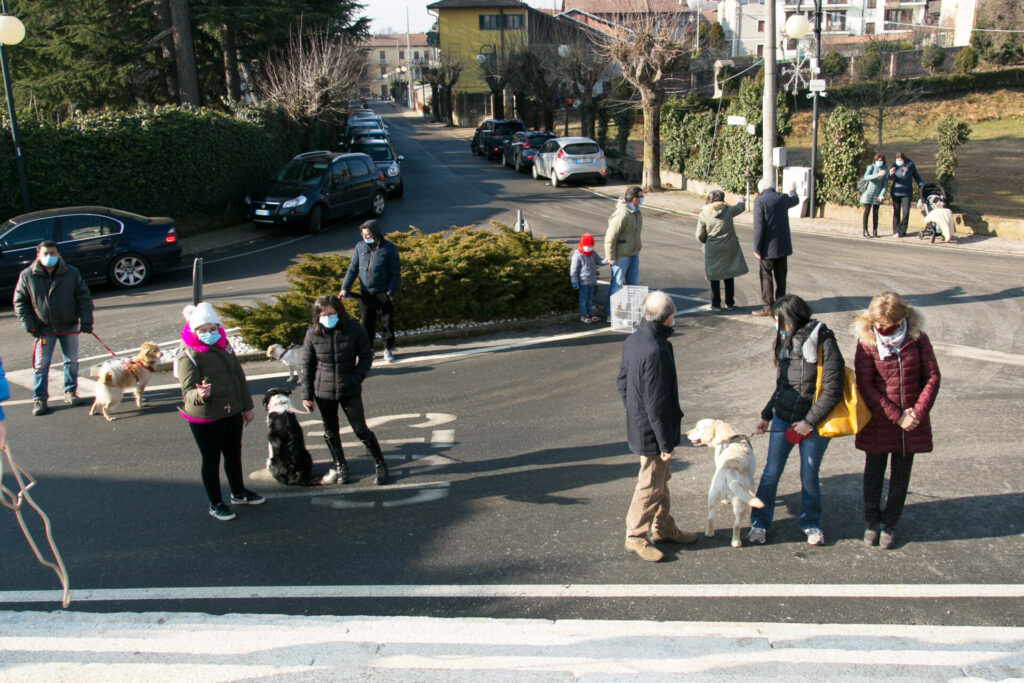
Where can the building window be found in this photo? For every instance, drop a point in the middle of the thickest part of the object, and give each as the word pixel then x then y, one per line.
pixel 383 56
pixel 495 22
pixel 898 19
pixel 760 26
pixel 760 50
pixel 383 71
pixel 872 4
pixel 401 55
pixel 835 21
pixel 869 28
pixel 416 55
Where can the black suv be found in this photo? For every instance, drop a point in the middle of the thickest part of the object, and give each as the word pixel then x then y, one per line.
pixel 492 135
pixel 317 186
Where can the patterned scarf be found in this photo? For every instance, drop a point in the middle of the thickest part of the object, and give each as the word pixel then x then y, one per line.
pixel 890 345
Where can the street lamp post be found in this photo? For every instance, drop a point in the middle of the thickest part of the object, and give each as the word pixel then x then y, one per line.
pixel 768 101
pixel 796 28
pixel 565 52
pixel 12 31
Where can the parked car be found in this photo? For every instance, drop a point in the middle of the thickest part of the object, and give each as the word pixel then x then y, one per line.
pixel 492 135
pixel 570 159
pixel 358 125
pixel 318 186
pixel 364 136
pixel 518 152
pixel 105 244
pixel 360 114
pixel 383 154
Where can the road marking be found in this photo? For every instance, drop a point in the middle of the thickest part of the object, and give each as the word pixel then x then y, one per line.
pixel 629 591
pixel 980 354
pixel 442 438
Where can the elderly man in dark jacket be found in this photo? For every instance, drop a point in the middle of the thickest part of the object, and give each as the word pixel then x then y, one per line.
pixel 53 304
pixel 772 242
pixel 375 261
pixel 647 385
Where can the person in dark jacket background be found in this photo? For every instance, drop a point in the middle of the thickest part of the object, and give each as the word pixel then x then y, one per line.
pixel 647 385
pixel 54 305
pixel 772 241
pixel 898 378
pixel 903 174
pixel 336 357
pixel 375 261
pixel 792 413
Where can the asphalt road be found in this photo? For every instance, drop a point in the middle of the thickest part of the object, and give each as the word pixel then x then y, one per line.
pixel 511 471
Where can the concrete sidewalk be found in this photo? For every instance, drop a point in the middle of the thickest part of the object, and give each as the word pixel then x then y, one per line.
pixel 170 646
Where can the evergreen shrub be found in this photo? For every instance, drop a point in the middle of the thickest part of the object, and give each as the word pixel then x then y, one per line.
pixel 966 59
pixel 469 274
pixel 952 135
pixel 843 158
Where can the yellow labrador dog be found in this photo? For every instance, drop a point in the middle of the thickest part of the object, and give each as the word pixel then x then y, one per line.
pixel 115 376
pixel 734 472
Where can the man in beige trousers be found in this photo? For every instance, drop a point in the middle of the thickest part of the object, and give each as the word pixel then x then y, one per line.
pixel 647 385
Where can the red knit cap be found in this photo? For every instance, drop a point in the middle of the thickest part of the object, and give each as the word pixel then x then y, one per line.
pixel 586 241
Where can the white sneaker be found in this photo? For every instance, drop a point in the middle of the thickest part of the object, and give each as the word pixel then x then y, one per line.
pixel 757 535
pixel 815 536
pixel 389 356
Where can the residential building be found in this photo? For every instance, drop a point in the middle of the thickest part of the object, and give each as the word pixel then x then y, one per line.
pixel 388 53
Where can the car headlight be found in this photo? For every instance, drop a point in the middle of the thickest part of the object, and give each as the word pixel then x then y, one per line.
pixel 294 201
pixel 392 171
pixel 248 200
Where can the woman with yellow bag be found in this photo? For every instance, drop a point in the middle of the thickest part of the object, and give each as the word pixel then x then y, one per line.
pixel 898 378
pixel 794 411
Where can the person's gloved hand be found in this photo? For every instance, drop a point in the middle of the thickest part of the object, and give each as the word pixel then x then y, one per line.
pixel 86 328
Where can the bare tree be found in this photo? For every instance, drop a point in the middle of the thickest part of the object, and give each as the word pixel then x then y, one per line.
pixel 534 73
pixel 585 67
pixel 648 49
pixel 450 69
pixel 314 77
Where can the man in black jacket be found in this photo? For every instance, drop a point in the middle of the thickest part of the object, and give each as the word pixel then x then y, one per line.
pixel 376 262
pixel 53 304
pixel 772 242
pixel 647 385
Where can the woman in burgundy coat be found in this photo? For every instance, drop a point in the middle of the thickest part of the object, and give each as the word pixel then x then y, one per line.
pixel 898 377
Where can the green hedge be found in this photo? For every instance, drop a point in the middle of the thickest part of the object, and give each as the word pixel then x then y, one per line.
pixel 942 84
pixel 168 161
pixel 469 274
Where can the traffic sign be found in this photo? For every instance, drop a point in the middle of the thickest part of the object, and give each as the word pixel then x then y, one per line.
pixel 816 85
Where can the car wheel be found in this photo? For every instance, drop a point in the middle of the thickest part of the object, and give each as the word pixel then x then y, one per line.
pixel 377 205
pixel 399 191
pixel 476 152
pixel 519 165
pixel 316 220
pixel 554 178
pixel 536 175
pixel 129 270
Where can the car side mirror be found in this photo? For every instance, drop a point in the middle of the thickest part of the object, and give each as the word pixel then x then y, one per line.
pixel 401 158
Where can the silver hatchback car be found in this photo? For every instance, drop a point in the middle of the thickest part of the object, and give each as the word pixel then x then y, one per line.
pixel 562 160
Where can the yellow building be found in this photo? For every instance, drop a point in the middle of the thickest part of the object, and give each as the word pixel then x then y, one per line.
pixel 483 35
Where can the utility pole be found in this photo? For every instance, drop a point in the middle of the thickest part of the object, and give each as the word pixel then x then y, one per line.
pixel 768 104
pixel 408 54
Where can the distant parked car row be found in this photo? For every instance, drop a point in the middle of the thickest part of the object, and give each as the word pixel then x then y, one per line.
pixel 557 159
pixel 316 187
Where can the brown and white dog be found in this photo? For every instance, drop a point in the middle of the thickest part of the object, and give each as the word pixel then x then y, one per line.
pixel 291 356
pixel 114 376
pixel 735 465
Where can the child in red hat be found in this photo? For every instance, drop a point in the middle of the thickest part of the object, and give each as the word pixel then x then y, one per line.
pixel 583 274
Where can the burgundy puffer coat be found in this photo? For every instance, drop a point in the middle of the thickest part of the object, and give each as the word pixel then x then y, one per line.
pixel 909 379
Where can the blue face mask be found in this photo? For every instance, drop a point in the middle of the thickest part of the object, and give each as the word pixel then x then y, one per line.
pixel 368 240
pixel 641 202
pixel 209 338
pixel 899 162
pixel 49 261
pixel 329 321
pixel 878 163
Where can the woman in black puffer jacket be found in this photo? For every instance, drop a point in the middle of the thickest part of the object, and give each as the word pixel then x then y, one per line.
pixel 792 412
pixel 336 357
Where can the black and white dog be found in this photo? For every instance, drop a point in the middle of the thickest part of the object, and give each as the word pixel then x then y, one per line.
pixel 287 458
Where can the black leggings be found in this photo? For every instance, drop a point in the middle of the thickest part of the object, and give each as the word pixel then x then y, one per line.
pixel 214 438
pixel 899 482
pixel 353 407
pixel 872 209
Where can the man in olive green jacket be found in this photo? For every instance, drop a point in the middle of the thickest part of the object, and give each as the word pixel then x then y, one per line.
pixel 622 241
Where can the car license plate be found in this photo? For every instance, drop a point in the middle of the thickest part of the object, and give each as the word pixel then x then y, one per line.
pixel 584 161
pixel 262 212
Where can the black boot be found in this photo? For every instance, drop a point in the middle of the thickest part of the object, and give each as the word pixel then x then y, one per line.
pixel 380 467
pixel 338 475
pixel 874 233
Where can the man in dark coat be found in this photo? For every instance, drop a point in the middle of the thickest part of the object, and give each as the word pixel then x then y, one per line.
pixel 647 385
pixel 772 242
pixel 376 262
pixel 53 304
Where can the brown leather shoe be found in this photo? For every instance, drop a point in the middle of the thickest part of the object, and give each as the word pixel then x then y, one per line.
pixel 675 535
pixel 761 312
pixel 643 548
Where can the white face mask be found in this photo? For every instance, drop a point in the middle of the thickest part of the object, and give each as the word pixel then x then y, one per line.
pixel 587 250
pixel 878 163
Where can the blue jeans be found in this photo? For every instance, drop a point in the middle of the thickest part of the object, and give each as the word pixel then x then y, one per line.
pixel 43 356
pixel 625 271
pixel 586 300
pixel 812 450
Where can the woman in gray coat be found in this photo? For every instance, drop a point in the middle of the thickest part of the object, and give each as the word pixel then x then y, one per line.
pixel 723 258
pixel 874 181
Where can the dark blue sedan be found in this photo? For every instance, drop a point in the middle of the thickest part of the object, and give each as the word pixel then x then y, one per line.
pixel 104 244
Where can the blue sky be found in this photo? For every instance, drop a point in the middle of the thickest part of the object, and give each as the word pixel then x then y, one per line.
pixel 388 16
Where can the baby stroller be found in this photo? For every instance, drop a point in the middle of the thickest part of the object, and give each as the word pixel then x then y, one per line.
pixel 931 194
